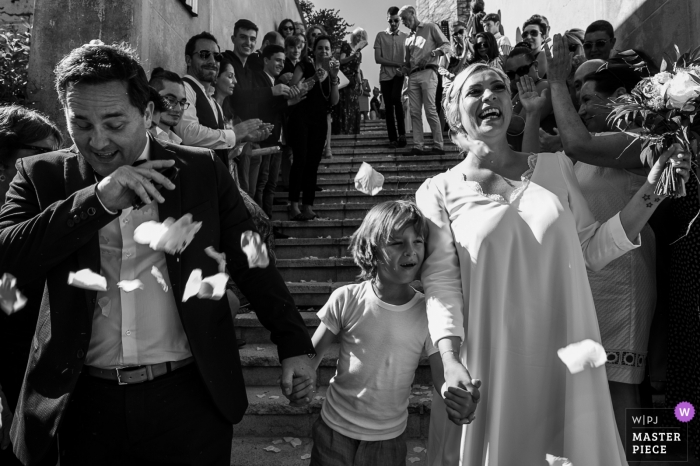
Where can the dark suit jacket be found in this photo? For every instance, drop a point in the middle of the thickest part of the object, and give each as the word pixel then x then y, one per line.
pixel 49 227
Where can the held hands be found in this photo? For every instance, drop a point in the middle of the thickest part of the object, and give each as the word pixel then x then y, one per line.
pixel 559 64
pixel 462 393
pixel 5 422
pixel 244 128
pixel 680 162
pixel 118 190
pixel 298 380
pixel 530 99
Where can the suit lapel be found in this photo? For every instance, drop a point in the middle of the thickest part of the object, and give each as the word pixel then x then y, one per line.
pixel 78 175
pixel 172 207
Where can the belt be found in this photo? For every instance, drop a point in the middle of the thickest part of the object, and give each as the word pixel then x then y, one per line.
pixel 426 67
pixel 138 374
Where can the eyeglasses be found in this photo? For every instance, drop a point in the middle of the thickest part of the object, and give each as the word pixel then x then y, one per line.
pixel 288 28
pixel 481 45
pixel 393 21
pixel 173 102
pixel 38 149
pixel 599 44
pixel 531 32
pixel 205 54
pixel 522 71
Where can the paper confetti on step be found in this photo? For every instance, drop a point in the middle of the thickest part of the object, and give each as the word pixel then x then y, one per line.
pixel 579 356
pixel 170 236
pixel 277 442
pixel 259 348
pixel 159 278
pixel 306 456
pixel 274 397
pixel 272 449
pixel 418 449
pixel 105 305
pixel 255 250
pixel 213 287
pixel 295 442
pixel 413 459
pixel 219 257
pixel 88 280
pixel 11 299
pixel 368 180
pixel 288 439
pixel 260 396
pixel 557 460
pixel 127 286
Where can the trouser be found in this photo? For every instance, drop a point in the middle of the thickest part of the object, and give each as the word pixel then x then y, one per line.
pixel 332 448
pixel 267 181
pixel 286 165
pixel 248 167
pixel 391 90
pixel 307 138
pixel 170 420
pixel 422 87
pixel 327 145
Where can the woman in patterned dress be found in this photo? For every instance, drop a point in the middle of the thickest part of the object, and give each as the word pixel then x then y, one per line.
pixel 346 115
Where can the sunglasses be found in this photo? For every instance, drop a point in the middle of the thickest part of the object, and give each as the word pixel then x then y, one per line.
pixel 288 28
pixel 38 149
pixel 522 71
pixel 205 54
pixel 573 48
pixel 393 21
pixel 459 32
pixel 531 32
pixel 173 102
pixel 599 44
pixel 481 45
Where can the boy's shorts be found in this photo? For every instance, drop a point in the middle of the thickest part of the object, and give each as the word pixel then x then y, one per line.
pixel 335 449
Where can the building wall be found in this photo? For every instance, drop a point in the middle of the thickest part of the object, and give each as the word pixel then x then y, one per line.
pixel 157 29
pixel 16 12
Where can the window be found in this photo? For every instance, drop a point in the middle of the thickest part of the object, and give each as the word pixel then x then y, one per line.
pixel 445 26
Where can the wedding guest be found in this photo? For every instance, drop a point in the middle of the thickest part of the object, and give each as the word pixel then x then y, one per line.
pixel 536 34
pixel 346 115
pixel 255 59
pixel 171 87
pixel 486 50
pixel 390 53
pixel 299 28
pixel 179 359
pixel 23 133
pixel 286 28
pixel 425 44
pixel 510 238
pixel 599 40
pixel 312 33
pixel 308 125
pixel 492 24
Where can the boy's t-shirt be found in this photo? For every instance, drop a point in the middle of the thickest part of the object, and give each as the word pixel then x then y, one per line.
pixel 380 347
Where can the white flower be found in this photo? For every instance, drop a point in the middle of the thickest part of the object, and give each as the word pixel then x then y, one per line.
pixel 681 89
pixel 170 236
pixel 213 287
pixel 254 249
pixel 11 299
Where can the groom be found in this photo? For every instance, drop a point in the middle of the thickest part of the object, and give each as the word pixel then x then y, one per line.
pixel 131 377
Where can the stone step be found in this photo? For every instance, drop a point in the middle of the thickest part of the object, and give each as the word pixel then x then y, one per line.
pixel 424 171
pixel 274 417
pixel 382 134
pixel 376 142
pixel 381 162
pixel 316 228
pixel 363 151
pixel 250 451
pixel 332 211
pixel 390 182
pixel 345 197
pixel 305 247
pixel 311 268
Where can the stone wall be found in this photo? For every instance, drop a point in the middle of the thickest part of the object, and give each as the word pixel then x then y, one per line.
pixel 157 29
pixel 16 12
pixel 436 11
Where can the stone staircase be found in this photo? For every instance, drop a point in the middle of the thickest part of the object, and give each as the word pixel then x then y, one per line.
pixel 314 261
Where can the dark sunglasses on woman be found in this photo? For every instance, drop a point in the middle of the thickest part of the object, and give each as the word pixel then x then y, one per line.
pixel 522 71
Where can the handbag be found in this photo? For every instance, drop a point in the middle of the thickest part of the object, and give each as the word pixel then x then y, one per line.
pixel 344 81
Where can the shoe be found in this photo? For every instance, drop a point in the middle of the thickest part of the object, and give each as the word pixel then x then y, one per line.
pixel 419 151
pixel 318 188
pixel 240 342
pixel 437 151
pixel 401 142
pixel 279 235
pixel 393 144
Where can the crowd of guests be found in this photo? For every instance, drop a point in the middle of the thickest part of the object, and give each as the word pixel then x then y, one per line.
pixel 546 234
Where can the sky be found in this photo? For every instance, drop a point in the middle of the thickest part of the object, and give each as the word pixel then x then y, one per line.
pixel 369 15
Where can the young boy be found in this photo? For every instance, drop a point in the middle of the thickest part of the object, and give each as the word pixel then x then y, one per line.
pixel 383 330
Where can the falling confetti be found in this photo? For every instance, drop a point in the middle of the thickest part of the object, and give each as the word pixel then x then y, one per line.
pixel 418 449
pixel 368 180
pixel 586 353
pixel 254 249
pixel 306 456
pixel 288 439
pixel 88 280
pixel 170 236
pixel 11 299
pixel 219 257
pixel 557 460
pixel 159 278
pixel 413 459
pixel 274 397
pixel 260 396
pixel 127 286
pixel 260 349
pixel 213 287
pixel 272 449
pixel 277 442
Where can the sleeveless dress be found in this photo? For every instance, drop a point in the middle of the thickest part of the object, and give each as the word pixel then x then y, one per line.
pixel 508 277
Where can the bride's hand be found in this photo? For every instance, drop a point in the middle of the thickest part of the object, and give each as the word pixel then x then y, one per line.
pixel 463 392
pixel 679 160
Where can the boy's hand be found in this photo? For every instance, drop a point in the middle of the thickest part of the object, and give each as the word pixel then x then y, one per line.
pixel 461 404
pixel 298 367
pixel 303 389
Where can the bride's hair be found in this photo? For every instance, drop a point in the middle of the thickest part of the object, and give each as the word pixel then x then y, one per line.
pixel 451 99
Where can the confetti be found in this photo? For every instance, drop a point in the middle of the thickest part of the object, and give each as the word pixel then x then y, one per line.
pixel 213 287
pixel 127 286
pixel 418 449
pixel 88 280
pixel 288 439
pixel 170 236
pixel 219 257
pixel 317 398
pixel 295 442
pixel 254 249
pixel 306 456
pixel 586 353
pixel 11 299
pixel 105 305
pixel 260 396
pixel 159 278
pixel 274 397
pixel 368 180
pixel 259 349
pixel 277 442
pixel 413 459
pixel 557 460
pixel 272 449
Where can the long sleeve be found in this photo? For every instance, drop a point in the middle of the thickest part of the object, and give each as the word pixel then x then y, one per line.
pixel 441 41
pixel 197 135
pixel 441 275
pixel 601 243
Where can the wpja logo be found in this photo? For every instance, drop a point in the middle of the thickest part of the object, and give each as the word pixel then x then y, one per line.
pixel 658 434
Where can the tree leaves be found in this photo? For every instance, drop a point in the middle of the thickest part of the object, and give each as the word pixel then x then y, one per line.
pixel 329 18
pixel 14 62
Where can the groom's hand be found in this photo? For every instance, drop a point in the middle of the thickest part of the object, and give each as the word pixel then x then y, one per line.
pixel 298 379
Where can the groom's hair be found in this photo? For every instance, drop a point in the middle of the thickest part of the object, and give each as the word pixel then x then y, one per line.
pixel 368 242
pixel 97 63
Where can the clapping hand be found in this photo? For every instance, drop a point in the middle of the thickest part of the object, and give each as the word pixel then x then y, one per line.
pixel 263 132
pixel 559 63
pixel 285 78
pixel 530 99
pixel 244 128
pixel 280 89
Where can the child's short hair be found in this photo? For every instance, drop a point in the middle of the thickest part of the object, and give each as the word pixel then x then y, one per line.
pixel 376 229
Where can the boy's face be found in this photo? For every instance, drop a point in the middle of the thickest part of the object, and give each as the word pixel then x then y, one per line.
pixel 492 26
pixel 402 257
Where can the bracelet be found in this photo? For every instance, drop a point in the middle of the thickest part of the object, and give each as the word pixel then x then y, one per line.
pixel 335 81
pixel 449 351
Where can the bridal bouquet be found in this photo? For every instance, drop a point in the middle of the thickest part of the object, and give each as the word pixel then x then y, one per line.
pixel 664 106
